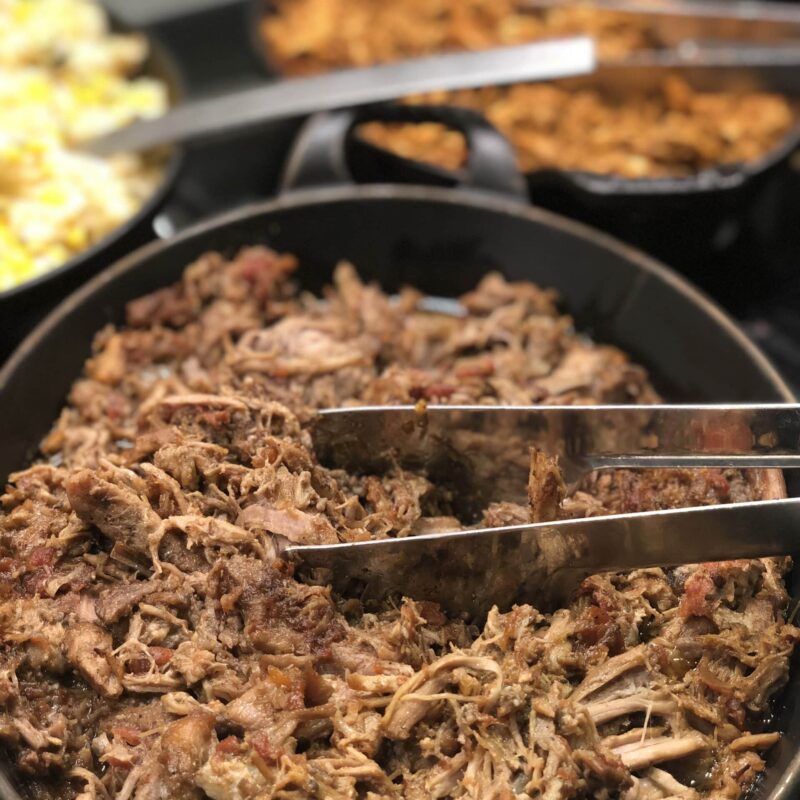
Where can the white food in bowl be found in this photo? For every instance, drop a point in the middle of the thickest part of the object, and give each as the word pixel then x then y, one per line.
pixel 65 78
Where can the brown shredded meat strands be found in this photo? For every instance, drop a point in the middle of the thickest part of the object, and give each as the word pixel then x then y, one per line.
pixel 154 648
pixel 671 130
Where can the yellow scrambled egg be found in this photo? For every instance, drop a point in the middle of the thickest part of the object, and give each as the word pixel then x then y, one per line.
pixel 65 78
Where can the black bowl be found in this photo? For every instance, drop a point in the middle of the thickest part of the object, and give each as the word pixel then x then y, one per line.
pixel 705 225
pixel 23 305
pixel 708 225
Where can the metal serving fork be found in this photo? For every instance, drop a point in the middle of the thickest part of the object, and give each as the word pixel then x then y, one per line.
pixel 482 454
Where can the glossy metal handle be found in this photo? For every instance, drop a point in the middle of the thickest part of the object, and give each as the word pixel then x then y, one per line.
pixel 484 451
pixel 470 571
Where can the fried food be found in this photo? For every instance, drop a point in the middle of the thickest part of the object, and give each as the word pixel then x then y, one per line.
pixel 672 130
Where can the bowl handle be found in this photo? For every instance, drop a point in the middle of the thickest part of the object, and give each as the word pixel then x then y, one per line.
pixel 319 155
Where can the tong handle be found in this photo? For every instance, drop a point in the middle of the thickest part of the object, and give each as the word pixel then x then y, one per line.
pixel 483 452
pixel 741 436
pixel 543 563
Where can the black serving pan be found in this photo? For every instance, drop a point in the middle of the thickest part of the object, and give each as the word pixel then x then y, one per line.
pixel 22 306
pixel 442 241
pixel 711 225
pixel 704 224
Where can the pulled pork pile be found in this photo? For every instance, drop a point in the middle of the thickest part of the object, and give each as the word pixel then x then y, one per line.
pixel 153 646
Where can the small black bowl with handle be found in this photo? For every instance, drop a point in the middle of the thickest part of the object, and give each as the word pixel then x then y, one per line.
pixel 713 225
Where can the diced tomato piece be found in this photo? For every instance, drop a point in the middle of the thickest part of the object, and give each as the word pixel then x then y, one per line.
pixel 216 418
pixel 34 582
pixel 119 763
pixel 695 601
pixel 438 390
pixel 161 655
pixel 431 613
pixel 717 483
pixel 7 565
pixel 230 744
pixel 128 735
pixel 482 369
pixel 42 556
pixel 261 744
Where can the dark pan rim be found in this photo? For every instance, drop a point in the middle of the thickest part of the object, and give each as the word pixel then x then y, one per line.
pixel 161 58
pixel 472 198
pixel 789 781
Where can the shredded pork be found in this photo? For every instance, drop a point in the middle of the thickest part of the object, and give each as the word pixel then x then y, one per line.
pixel 154 646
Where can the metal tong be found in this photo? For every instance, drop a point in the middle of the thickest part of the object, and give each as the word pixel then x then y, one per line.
pixel 482 455
pixel 546 60
pixel 705 33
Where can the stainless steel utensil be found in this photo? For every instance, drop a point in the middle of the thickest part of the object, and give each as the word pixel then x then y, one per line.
pixel 745 11
pixel 203 118
pixel 707 33
pixel 704 55
pixel 483 452
pixel 468 572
